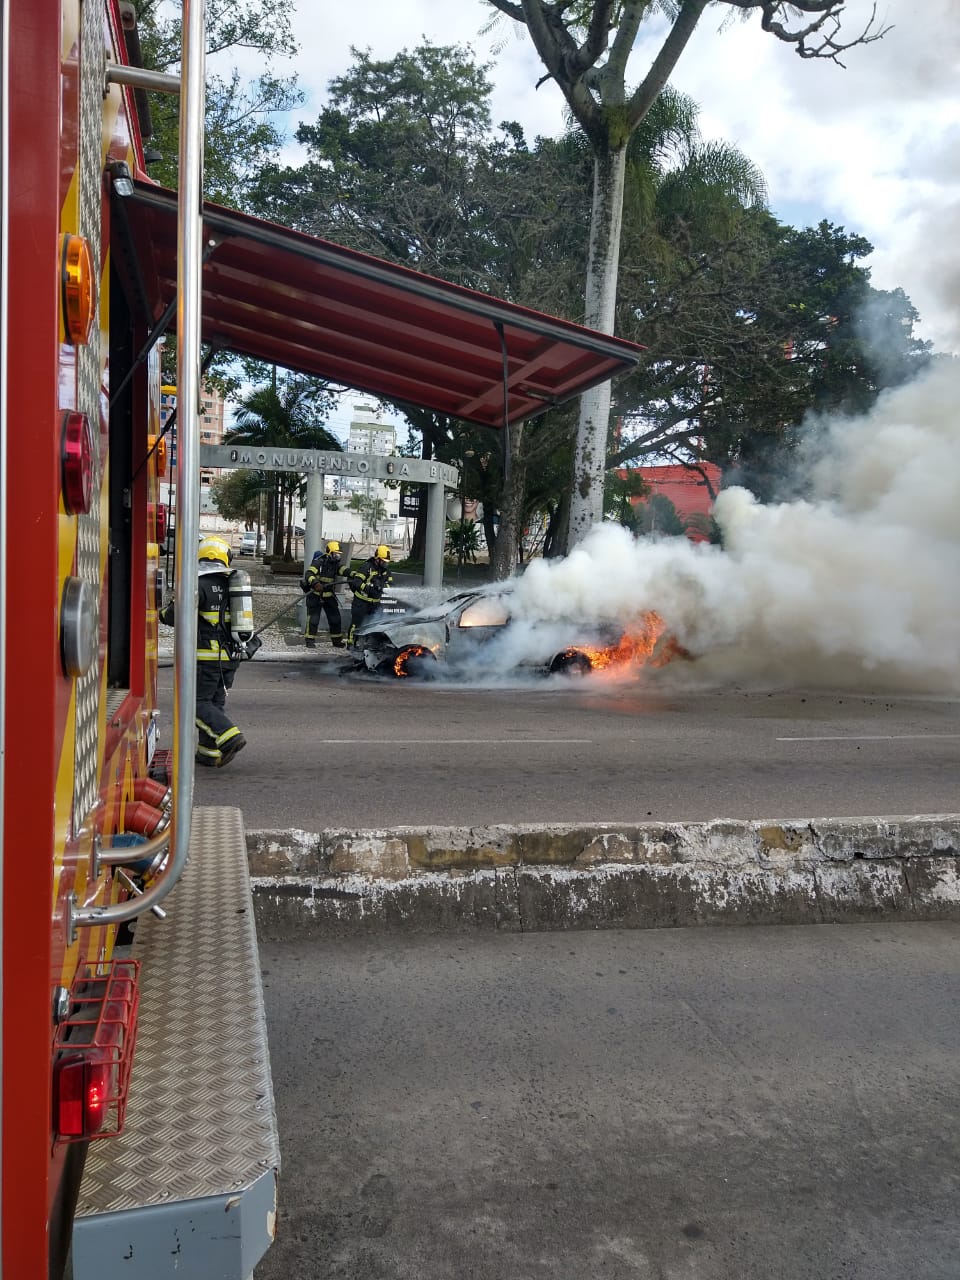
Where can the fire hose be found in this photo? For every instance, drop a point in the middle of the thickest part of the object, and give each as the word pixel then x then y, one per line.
pixel 250 647
pixel 277 616
pixel 248 653
pixel 269 623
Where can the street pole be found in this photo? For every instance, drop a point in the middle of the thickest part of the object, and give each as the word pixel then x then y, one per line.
pixel 462 517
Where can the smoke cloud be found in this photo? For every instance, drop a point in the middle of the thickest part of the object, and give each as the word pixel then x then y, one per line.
pixel 857 585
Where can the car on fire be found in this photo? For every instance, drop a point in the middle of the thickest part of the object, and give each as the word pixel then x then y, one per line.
pixel 482 632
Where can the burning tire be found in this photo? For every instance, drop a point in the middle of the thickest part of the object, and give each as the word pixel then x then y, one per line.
pixel 572 662
pixel 415 661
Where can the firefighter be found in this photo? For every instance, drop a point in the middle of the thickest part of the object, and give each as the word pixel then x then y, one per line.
pixel 219 739
pixel 319 582
pixel 368 584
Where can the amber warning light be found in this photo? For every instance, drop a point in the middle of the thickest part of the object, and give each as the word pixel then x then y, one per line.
pixel 77 297
pixel 94 1052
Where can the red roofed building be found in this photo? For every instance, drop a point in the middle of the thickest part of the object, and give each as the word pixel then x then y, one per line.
pixel 686 488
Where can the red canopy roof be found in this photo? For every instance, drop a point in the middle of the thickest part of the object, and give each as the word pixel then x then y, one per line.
pixel 318 308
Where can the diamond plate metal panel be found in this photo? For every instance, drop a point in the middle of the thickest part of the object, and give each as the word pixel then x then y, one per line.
pixel 200 1118
pixel 92 64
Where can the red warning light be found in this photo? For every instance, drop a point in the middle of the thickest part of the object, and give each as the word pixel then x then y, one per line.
pixel 82 1090
pixel 94 1052
pixel 76 463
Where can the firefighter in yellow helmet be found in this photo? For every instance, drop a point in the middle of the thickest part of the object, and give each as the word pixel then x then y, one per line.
pixel 219 738
pixel 320 584
pixel 368 583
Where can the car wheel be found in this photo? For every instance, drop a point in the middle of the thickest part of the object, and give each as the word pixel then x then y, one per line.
pixel 415 661
pixel 572 662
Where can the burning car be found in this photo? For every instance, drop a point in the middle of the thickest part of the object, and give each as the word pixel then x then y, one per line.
pixel 481 632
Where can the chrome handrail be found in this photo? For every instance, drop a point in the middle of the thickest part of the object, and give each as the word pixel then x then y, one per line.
pixel 141 78
pixel 189 291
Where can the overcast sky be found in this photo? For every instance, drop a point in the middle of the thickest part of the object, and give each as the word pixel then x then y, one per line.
pixel 874 148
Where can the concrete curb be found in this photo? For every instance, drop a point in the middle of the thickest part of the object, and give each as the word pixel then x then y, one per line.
pixel 644 875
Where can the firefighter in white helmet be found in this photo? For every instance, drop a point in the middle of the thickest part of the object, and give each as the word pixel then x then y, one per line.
pixel 217 660
pixel 320 584
pixel 368 583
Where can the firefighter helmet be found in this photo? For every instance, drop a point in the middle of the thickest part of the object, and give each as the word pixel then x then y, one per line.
pixel 382 552
pixel 213 548
pixel 333 547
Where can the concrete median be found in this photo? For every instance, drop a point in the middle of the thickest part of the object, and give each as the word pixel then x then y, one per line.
pixel 644 875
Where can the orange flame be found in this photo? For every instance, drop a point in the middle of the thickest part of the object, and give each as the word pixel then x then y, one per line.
pixel 402 662
pixel 645 646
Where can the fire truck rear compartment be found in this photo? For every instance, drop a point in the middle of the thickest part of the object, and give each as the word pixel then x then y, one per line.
pixel 189 1188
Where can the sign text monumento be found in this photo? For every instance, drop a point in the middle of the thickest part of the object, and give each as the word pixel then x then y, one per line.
pixel 363 465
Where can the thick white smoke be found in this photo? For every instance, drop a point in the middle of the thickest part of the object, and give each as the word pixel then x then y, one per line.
pixel 859 585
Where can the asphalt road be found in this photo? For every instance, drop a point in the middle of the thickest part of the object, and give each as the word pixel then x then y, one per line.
pixel 701 1104
pixel 329 751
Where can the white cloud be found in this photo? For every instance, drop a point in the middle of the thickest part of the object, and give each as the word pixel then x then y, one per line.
pixel 872 147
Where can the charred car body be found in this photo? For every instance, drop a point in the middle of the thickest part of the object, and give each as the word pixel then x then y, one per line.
pixel 482 632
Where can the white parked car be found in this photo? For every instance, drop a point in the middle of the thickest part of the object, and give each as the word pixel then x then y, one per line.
pixel 251 545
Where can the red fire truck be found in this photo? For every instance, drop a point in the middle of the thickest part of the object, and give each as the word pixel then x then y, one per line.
pixel 120 1013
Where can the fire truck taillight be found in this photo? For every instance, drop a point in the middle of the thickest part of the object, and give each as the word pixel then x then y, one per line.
pixel 93 1052
pixel 82 1088
pixel 161 523
pixel 77 297
pixel 76 463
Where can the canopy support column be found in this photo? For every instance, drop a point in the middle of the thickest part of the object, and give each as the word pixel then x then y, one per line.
pixel 436 525
pixel 313 533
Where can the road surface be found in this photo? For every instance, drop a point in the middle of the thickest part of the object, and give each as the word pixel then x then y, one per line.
pixel 700 1104
pixel 329 751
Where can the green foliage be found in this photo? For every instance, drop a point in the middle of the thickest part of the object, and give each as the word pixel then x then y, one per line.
pixel 372 510
pixel 619 488
pixel 402 161
pixel 241 133
pixel 709 281
pixel 389 160
pixel 287 413
pixel 586 46
pixel 463 541
pixel 658 517
pixel 745 334
pixel 238 494
pixel 243 130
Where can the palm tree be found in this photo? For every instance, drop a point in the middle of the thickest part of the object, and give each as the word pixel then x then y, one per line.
pixel 671 178
pixel 284 414
pixel 372 510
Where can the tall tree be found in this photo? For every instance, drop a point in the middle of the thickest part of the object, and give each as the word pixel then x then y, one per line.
pixel 585 46
pixel 238 495
pixel 390 160
pixel 241 112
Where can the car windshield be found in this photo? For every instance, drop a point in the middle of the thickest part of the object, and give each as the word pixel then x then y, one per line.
pixel 485 611
pixel 437 612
